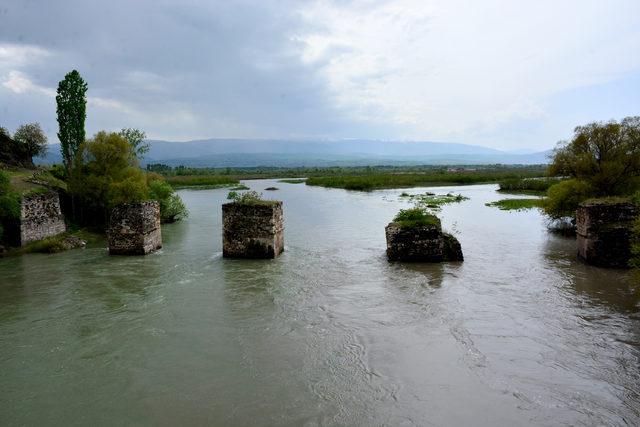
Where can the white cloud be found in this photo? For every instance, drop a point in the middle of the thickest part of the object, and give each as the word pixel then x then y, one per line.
pixel 15 55
pixel 440 69
pixel 19 83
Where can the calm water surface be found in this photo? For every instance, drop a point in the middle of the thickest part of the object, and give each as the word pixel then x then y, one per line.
pixel 329 333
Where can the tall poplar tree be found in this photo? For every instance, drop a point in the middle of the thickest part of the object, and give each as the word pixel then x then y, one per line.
pixel 72 112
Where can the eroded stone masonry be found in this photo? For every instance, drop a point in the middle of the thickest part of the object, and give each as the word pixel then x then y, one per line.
pixel 604 231
pixel 40 217
pixel 252 230
pixel 134 229
pixel 421 244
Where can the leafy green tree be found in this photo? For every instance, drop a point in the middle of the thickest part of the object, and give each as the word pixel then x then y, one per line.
pixel 605 155
pixel 31 141
pixel 602 159
pixel 136 139
pixel 106 173
pixel 72 111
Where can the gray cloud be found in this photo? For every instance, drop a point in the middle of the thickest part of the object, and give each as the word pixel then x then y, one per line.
pixel 498 73
pixel 180 70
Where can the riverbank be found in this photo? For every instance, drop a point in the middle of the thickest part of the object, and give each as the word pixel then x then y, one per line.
pixel 353 178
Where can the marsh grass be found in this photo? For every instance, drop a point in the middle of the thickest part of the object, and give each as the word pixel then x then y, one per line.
pixel 375 181
pixel 432 201
pixel 515 204
pixel 201 181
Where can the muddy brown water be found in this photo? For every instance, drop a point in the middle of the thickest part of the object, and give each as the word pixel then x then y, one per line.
pixel 329 333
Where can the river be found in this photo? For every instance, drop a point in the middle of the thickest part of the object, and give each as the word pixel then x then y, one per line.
pixel 329 333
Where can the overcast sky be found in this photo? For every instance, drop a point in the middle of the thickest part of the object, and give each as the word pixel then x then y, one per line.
pixel 505 74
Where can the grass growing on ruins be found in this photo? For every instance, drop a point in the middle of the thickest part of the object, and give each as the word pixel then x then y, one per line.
pixel 416 217
pixel 249 198
pixel 516 204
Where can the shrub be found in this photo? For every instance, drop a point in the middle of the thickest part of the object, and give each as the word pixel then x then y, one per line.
pixel 564 197
pixel 59 171
pixel 171 206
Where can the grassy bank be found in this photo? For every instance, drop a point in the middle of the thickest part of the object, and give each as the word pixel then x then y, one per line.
pixel 535 186
pixel 201 181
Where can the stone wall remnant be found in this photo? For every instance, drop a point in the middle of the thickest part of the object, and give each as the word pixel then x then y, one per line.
pixel 603 232
pixel 253 230
pixel 134 229
pixel 40 217
pixel 427 243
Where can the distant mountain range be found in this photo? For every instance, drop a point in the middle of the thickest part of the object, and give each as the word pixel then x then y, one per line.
pixel 293 153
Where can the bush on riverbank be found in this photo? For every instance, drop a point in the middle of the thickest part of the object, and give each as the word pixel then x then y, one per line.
pixel 172 208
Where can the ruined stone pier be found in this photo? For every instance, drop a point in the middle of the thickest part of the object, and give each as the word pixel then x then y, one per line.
pixel 134 229
pixel 603 232
pixel 252 230
pixel 425 243
pixel 40 217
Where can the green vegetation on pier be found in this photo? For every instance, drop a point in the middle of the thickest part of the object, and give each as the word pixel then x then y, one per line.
pixel 416 217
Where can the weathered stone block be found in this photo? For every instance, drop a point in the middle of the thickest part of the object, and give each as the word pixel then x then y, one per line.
pixel 603 232
pixel 134 229
pixel 252 230
pixel 40 217
pixel 424 244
